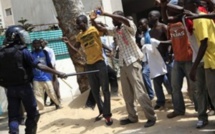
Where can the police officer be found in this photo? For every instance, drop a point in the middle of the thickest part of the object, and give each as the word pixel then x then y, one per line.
pixel 16 64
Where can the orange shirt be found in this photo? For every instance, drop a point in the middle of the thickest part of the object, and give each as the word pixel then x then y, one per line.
pixel 180 43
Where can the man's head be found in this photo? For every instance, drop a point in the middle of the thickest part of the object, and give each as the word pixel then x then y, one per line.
pixel 153 17
pixel 191 5
pixel 36 44
pixel 43 43
pixel 143 25
pixel 115 22
pixel 17 34
pixel 82 22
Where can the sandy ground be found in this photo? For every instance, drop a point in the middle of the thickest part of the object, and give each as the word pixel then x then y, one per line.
pixel 74 118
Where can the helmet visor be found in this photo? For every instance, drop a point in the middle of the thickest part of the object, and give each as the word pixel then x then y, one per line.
pixel 25 37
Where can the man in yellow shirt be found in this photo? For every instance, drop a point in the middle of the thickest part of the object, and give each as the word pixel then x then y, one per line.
pixel 89 40
pixel 204 31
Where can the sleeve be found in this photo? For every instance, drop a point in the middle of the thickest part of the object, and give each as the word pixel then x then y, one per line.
pixel 155 42
pixel 29 59
pixel 132 29
pixel 48 60
pixel 52 57
pixel 110 31
pixel 142 41
pixel 202 28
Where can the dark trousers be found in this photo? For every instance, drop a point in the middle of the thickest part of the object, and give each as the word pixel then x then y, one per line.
pixel 96 81
pixel 112 76
pixel 15 96
pixel 158 81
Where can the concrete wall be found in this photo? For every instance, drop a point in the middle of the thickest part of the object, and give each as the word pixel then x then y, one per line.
pixel 68 87
pixel 35 11
pixel 8 20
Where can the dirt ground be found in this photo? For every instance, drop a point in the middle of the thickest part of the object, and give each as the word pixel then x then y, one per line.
pixel 74 118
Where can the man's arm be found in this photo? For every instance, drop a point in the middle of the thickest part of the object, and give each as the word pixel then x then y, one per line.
pixel 201 53
pixel 206 16
pixel 68 43
pixel 100 28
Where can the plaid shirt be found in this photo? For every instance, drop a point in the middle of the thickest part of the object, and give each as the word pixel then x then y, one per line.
pixel 128 49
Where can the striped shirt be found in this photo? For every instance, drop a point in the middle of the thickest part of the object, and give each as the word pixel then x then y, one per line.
pixel 129 52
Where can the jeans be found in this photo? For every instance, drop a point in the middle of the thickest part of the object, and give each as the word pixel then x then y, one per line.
pixel 147 80
pixel 15 96
pixel 98 80
pixel 159 90
pixel 167 78
pixel 179 71
pixel 201 93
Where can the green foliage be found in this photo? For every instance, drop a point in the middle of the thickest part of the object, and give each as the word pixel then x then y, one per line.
pixel 27 26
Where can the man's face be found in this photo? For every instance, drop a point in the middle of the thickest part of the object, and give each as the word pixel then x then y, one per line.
pixel 142 26
pixel 80 24
pixel 116 23
pixel 37 46
pixel 152 18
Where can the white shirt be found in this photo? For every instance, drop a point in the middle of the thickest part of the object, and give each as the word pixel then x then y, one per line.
pixel 156 64
pixel 51 55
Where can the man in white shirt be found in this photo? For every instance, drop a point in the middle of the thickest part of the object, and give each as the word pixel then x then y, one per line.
pixel 157 68
pixel 52 57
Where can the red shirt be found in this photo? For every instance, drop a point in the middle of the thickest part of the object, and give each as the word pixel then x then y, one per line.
pixel 180 43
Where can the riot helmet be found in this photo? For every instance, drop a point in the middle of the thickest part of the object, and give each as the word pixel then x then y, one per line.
pixel 17 34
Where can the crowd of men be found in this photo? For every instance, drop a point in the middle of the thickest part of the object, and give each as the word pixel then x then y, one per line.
pixel 182 45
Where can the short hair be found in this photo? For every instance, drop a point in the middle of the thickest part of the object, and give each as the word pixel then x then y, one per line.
pixel 36 41
pixel 83 18
pixel 145 20
pixel 121 13
pixel 156 13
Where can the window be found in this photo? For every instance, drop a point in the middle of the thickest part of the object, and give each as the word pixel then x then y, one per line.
pixel 8 11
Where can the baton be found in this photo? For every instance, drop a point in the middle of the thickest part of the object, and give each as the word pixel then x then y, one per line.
pixel 80 73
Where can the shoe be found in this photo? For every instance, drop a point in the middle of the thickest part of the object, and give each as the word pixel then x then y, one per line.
pixel 126 121
pixel 108 121
pixel 150 123
pixel 157 107
pixel 58 107
pixel 173 114
pixel 99 117
pixel 201 124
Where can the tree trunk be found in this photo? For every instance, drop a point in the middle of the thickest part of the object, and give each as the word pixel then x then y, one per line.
pixel 67 11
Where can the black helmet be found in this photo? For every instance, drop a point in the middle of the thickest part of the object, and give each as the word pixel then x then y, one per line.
pixel 17 34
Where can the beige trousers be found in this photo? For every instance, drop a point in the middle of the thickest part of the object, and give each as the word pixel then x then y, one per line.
pixel 40 88
pixel 134 88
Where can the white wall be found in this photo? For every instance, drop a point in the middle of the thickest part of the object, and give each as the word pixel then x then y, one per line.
pixel 35 11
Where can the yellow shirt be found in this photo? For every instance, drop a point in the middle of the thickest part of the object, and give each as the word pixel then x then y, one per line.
pixel 205 28
pixel 91 44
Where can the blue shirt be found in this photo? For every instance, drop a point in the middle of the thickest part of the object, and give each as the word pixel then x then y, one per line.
pixel 45 60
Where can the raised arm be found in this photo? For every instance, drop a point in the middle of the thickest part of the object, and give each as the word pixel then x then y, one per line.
pixel 100 28
pixel 206 16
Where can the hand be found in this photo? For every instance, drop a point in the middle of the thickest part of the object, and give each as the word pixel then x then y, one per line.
pixel 189 13
pixel 65 39
pixel 193 74
pixel 93 15
pixel 62 75
pixel 101 9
